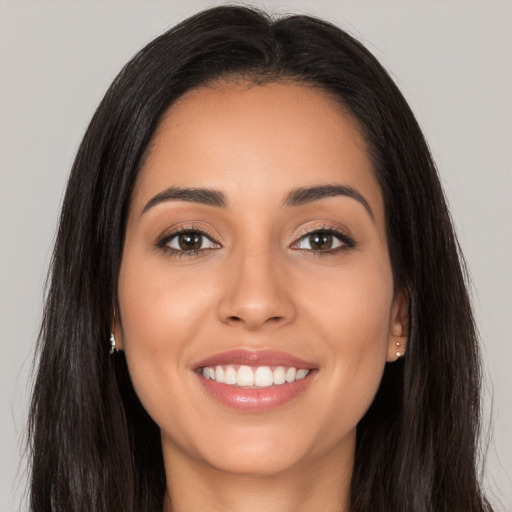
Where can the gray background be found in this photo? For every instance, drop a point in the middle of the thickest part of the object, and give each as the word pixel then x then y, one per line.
pixel 451 59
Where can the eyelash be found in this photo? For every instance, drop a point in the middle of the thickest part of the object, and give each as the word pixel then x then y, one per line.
pixel 348 243
pixel 162 243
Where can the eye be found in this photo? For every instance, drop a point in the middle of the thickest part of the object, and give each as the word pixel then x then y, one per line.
pixel 188 241
pixel 324 241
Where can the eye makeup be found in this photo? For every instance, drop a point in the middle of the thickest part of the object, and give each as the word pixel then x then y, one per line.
pixel 187 240
pixel 325 239
pixel 193 240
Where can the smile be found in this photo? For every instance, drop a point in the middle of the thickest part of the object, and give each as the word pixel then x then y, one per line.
pixel 253 377
pixel 254 381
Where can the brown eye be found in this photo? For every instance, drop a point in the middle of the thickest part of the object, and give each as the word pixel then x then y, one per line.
pixel 190 241
pixel 323 241
pixel 320 241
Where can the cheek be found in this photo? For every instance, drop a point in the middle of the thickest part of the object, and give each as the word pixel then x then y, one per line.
pixel 351 318
pixel 352 306
pixel 162 314
pixel 159 304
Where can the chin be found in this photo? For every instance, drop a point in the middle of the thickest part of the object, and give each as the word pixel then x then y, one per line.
pixel 262 450
pixel 262 459
pixel 265 449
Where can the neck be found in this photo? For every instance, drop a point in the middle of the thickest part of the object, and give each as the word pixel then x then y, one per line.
pixel 314 485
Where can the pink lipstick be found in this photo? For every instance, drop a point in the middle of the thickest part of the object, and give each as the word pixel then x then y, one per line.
pixel 257 381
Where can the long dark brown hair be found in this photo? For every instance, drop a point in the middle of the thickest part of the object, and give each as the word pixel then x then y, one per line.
pixel 93 446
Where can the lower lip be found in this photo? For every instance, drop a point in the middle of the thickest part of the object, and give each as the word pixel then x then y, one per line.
pixel 255 399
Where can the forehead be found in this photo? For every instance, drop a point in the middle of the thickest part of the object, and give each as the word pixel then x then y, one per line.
pixel 257 141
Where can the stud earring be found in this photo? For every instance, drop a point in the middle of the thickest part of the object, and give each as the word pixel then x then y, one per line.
pixel 113 344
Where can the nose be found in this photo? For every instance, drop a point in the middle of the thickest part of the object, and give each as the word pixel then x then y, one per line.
pixel 256 293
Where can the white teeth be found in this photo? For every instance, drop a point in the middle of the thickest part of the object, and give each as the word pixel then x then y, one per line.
pixel 258 377
pixel 219 374
pixel 230 375
pixel 245 376
pixel 279 376
pixel 301 374
pixel 290 374
pixel 263 377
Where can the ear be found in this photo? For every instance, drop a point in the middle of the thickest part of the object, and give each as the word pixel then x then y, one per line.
pixel 117 330
pixel 398 326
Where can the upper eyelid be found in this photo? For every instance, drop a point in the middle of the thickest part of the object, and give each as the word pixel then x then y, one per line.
pixel 329 229
pixel 326 226
pixel 347 240
pixel 171 233
pixel 295 237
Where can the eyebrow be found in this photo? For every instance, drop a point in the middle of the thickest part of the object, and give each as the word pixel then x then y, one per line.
pixel 301 196
pixel 297 197
pixel 206 196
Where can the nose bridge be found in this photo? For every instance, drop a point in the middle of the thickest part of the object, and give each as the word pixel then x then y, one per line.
pixel 255 294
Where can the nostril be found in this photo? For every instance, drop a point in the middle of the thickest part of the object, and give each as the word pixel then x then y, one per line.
pixel 271 320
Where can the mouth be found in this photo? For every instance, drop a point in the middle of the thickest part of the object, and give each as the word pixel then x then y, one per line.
pixel 254 381
pixel 254 377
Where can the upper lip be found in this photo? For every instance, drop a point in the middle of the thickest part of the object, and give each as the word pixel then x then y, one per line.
pixel 254 358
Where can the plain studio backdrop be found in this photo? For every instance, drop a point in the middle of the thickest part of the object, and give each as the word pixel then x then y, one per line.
pixel 452 59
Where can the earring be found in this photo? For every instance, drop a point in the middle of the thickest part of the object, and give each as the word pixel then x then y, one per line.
pixel 113 344
pixel 398 352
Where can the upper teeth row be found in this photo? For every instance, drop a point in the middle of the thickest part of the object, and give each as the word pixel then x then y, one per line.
pixel 261 376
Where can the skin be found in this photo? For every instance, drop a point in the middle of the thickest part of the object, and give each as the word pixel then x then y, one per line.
pixel 258 286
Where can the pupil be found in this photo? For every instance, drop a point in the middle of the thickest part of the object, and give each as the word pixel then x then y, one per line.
pixel 320 241
pixel 190 241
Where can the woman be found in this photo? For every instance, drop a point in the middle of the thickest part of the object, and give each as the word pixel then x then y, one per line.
pixel 256 301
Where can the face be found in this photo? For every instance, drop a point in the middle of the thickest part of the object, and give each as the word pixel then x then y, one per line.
pixel 257 307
